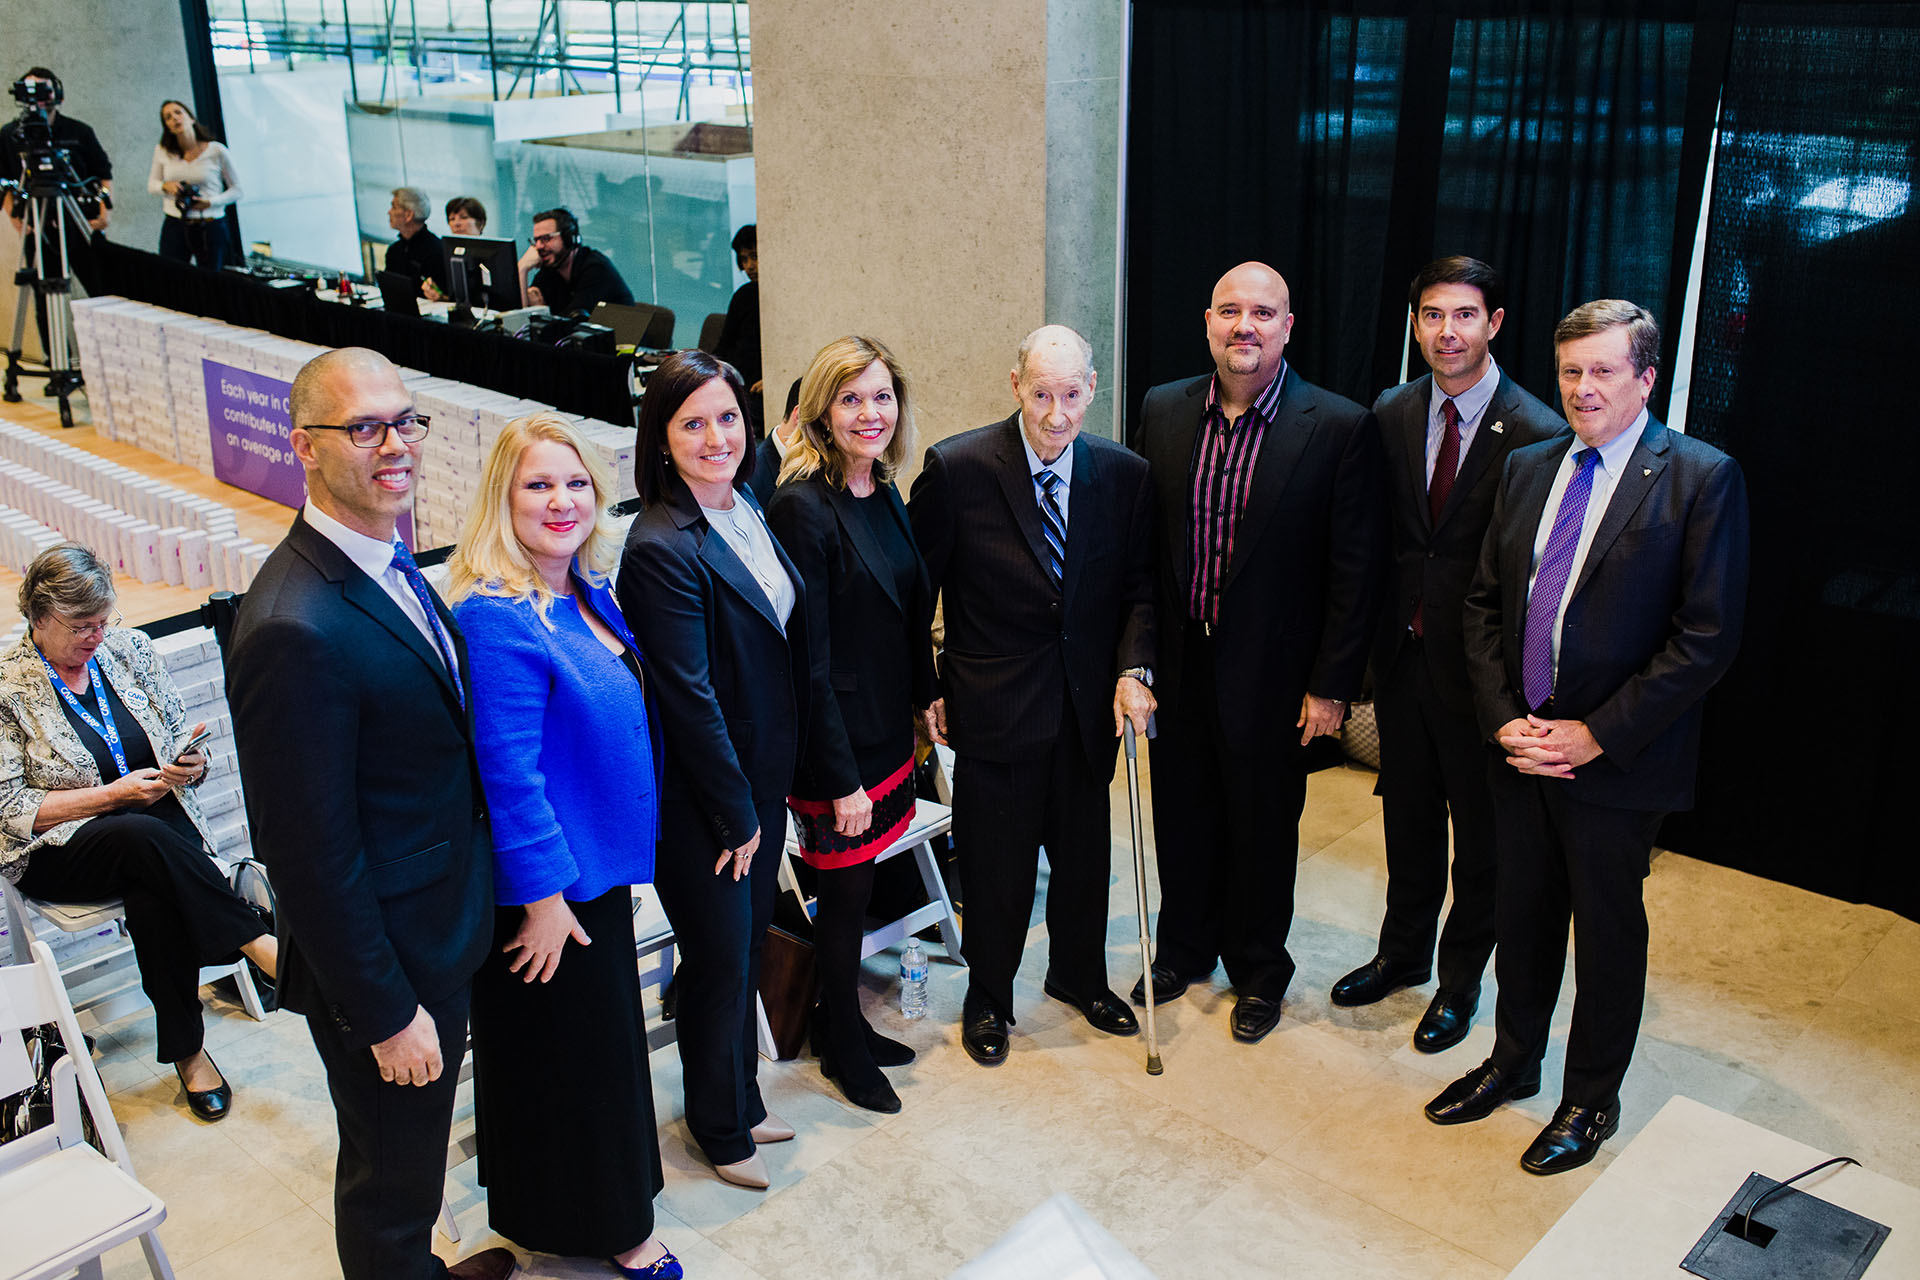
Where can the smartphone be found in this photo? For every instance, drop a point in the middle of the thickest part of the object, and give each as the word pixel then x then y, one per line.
pixel 193 744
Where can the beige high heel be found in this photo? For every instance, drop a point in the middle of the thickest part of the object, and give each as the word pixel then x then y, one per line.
pixel 772 1129
pixel 750 1173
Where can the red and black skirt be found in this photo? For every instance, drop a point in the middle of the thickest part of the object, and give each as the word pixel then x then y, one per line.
pixel 825 849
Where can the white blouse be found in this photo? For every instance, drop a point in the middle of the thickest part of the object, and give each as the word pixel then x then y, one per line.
pixel 212 171
pixel 745 530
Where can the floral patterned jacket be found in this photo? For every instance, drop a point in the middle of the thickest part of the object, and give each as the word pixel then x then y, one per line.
pixel 40 752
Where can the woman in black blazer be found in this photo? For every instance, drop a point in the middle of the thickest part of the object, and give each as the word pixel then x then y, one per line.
pixel 719 611
pixel 869 610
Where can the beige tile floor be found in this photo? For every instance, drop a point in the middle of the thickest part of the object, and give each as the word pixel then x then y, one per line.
pixel 1304 1156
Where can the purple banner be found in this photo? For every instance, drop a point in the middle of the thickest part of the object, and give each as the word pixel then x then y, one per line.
pixel 248 421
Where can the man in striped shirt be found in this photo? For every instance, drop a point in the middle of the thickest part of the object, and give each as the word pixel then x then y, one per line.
pixel 1269 549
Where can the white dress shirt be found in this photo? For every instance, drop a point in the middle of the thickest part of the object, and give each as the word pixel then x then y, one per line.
pixel 375 559
pixel 1470 404
pixel 1061 466
pixel 1606 474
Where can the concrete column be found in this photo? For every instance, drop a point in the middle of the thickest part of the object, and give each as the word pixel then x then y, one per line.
pixel 935 176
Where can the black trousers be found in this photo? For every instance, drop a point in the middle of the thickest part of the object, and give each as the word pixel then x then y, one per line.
pixel 1002 813
pixel 719 925
pixel 1226 822
pixel 579 1179
pixel 202 241
pixel 1562 861
pixel 1433 766
pixel 180 912
pixel 392 1170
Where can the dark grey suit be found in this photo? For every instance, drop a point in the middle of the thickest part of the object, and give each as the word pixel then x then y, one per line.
pixel 1028 674
pixel 1433 759
pixel 1653 622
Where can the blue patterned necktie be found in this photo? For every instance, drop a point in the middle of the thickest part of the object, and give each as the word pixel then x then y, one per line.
pixel 1550 582
pixel 404 562
pixel 1054 527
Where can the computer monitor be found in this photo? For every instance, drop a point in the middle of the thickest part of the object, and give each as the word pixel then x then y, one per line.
pixel 399 294
pixel 482 272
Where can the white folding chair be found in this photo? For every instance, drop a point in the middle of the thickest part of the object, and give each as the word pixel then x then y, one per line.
pixel 85 917
pixel 930 821
pixel 62 1203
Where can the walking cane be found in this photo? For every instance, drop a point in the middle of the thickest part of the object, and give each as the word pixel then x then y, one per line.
pixel 1140 893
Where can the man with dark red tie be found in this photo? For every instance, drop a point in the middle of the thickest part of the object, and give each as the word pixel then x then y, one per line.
pixel 1608 600
pixel 1446 438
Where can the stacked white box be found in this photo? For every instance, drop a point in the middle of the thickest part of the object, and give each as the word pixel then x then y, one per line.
pixel 192 659
pixel 22 538
pixel 117 486
pixel 615 446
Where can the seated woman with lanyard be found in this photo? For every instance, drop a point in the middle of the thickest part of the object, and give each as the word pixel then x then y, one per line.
pixel 89 811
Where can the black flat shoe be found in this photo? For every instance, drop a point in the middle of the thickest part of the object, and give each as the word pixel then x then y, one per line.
pixel 1254 1017
pixel 1447 1020
pixel 1377 979
pixel 1167 985
pixel 983 1032
pixel 1571 1139
pixel 1474 1095
pixel 209 1104
pixel 1104 1012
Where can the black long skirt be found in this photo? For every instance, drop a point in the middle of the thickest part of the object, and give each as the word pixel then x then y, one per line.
pixel 562 1099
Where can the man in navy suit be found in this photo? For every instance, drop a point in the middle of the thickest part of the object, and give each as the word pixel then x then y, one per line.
pixel 352 710
pixel 1037 542
pixel 1446 438
pixel 1608 601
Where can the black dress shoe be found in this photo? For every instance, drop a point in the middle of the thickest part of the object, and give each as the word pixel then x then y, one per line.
pixel 1167 985
pixel 1104 1011
pixel 884 1050
pixel 1474 1095
pixel 1571 1139
pixel 209 1104
pixel 1377 979
pixel 1253 1017
pixel 874 1094
pixel 1447 1020
pixel 983 1032
pixel 488 1264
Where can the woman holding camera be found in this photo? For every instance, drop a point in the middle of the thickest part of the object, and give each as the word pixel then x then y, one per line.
pixel 197 177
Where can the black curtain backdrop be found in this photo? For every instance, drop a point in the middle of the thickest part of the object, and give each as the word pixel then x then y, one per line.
pixel 1349 144
pixel 1807 321
pixel 1268 132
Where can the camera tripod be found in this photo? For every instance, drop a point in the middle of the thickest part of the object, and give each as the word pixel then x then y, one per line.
pixel 48 204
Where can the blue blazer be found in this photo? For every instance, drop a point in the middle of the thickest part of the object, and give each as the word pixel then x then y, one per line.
pixel 569 756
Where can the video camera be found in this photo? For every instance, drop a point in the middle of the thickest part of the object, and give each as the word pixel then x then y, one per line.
pixel 46 169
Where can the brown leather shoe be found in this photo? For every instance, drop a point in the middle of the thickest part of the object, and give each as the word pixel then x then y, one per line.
pixel 488 1264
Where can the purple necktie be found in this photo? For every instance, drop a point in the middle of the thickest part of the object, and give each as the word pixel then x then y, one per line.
pixel 1550 582
pixel 404 562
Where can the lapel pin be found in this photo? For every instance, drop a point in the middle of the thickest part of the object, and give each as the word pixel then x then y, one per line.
pixel 1646 471
pixel 1500 428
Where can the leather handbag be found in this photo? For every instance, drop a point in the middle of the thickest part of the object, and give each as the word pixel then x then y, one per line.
pixel 788 984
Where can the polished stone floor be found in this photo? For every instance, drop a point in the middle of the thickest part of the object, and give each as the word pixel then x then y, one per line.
pixel 1303 1156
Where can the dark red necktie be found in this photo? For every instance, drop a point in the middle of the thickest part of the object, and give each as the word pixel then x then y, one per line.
pixel 1445 463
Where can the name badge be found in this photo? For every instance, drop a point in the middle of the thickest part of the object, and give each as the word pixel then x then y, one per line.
pixel 136 699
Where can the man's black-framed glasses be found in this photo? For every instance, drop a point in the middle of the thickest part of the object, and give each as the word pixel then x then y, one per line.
pixel 371 435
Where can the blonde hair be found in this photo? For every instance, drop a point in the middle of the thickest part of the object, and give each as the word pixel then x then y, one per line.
pixel 490 560
pixel 833 367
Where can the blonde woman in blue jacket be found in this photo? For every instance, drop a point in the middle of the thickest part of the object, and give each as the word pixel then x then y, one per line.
pixel 570 764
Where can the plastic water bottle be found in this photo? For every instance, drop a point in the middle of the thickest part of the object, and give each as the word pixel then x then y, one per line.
pixel 913 980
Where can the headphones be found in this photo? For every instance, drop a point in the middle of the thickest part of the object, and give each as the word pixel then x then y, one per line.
pixel 569 228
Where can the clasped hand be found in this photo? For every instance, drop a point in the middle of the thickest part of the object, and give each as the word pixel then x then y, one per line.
pixel 1547 748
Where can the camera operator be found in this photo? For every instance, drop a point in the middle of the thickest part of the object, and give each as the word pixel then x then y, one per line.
pixel 84 153
pixel 195 173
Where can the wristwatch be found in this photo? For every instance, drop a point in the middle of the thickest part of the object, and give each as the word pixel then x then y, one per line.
pixel 1143 674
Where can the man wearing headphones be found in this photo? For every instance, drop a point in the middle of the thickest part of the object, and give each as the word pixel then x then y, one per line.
pixel 572 279
pixel 89 160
